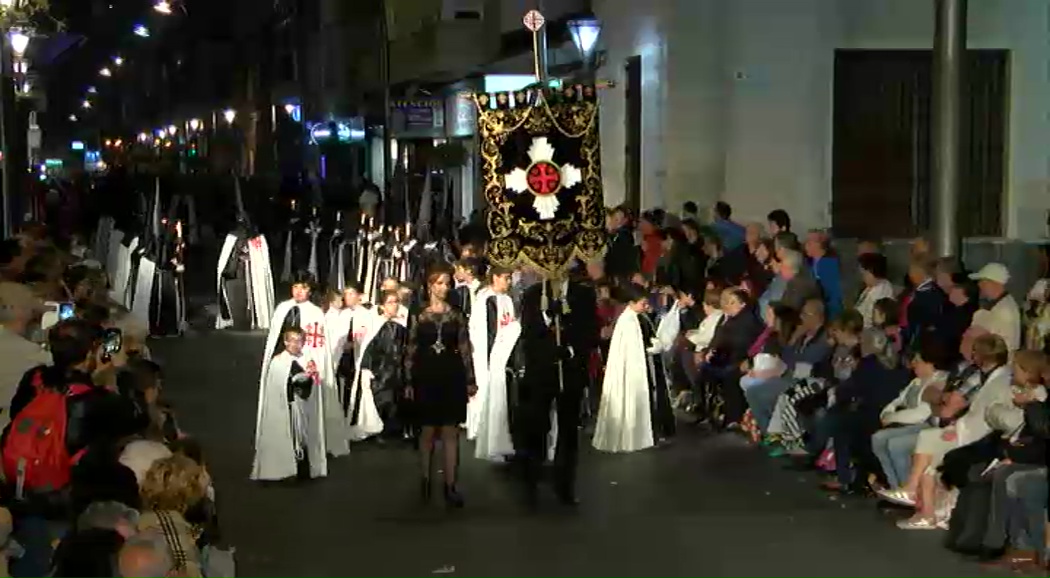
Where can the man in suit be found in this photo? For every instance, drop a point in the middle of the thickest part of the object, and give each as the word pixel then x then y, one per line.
pixel 555 376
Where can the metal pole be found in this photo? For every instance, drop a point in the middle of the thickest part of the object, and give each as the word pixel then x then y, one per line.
pixel 388 115
pixel 541 47
pixel 949 53
pixel 7 127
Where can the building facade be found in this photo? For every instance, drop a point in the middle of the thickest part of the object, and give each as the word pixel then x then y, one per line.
pixel 736 101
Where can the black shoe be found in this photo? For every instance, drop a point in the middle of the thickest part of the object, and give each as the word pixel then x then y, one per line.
pixel 424 490
pixel 453 499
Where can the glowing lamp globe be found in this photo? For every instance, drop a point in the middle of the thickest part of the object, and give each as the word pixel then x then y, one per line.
pixel 19 41
pixel 585 33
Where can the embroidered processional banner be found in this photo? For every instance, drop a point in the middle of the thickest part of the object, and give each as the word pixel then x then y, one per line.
pixel 542 174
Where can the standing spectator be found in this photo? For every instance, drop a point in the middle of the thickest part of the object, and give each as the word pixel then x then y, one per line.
pixel 874 273
pixel 652 243
pixel 779 222
pixel 95 419
pixel 690 212
pixel 827 270
pixel 621 259
pixel 19 311
pixel 1005 318
pixel 730 232
pixel 926 302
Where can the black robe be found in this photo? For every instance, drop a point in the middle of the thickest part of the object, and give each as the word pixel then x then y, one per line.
pixel 235 275
pixel 385 358
pixel 346 370
pixel 661 413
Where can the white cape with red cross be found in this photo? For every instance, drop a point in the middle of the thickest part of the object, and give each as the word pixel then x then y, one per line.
pixel 543 178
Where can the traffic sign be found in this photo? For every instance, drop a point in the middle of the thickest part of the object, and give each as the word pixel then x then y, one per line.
pixel 533 20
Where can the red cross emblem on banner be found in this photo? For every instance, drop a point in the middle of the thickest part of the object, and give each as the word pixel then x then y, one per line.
pixel 544 178
pixel 314 336
pixel 256 243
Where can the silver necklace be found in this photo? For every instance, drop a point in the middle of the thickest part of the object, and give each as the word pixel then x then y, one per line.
pixel 438 346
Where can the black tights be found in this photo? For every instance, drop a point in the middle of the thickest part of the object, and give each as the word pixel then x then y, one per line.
pixel 449 435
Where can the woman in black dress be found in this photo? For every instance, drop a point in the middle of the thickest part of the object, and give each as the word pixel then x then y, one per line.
pixel 441 377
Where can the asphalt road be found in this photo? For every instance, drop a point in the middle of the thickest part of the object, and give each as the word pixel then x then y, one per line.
pixel 706 506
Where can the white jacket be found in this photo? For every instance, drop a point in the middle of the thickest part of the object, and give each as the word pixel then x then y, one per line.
pixel 974 424
pixel 701 336
pixel 909 407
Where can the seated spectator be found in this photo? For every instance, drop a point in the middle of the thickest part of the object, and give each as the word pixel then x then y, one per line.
pixel 729 231
pixel 109 516
pixel 43 274
pixel 699 341
pixel 800 286
pixel 905 417
pixel 13 259
pixel 1005 314
pixel 172 487
pixel 827 270
pixel 1037 311
pixel 147 554
pixel 87 554
pixel 20 311
pixel 763 382
pixel 760 271
pixel 874 273
pixel 1003 508
pixel 921 487
pixel 728 267
pixel 885 317
pixel 719 394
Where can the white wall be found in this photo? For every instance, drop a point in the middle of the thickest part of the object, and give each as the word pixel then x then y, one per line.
pixel 737 96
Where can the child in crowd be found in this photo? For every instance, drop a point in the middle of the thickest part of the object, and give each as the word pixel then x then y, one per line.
pixel 885 316
pixel 382 365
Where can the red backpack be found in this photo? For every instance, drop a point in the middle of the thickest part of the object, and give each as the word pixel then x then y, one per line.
pixel 34 456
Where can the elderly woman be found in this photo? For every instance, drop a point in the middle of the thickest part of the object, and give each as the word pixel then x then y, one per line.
pixel 172 487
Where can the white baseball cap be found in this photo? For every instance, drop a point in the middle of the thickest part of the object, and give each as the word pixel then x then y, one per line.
pixel 995 272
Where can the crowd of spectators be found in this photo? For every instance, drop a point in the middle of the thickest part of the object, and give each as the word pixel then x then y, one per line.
pixel 122 491
pixel 926 393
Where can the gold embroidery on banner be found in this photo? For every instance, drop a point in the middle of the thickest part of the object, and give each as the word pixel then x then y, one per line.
pixel 549 246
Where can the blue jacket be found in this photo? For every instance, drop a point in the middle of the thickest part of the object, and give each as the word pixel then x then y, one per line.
pixel 732 234
pixel 828 273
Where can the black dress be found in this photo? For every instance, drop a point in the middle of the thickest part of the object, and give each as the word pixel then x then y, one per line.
pixel 439 367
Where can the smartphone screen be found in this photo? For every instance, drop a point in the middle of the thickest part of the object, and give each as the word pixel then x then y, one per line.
pixel 65 311
pixel 112 341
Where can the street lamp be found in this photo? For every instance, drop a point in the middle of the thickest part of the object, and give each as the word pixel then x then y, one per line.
pixel 86 104
pixel 172 129
pixel 92 90
pixel 19 42
pixel 143 137
pixel 141 31
pixel 72 118
pixel 105 72
pixel 162 7
pixel 230 115
pixel 585 32
pixel 118 61
pixel 195 124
